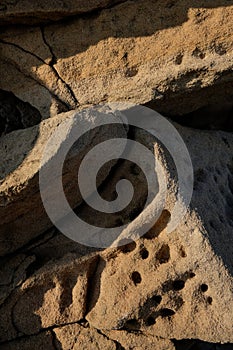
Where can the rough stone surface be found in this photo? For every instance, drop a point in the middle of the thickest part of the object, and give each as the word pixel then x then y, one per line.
pixel 163 286
pixel 138 341
pixel 172 284
pixel 21 154
pixel 27 12
pixel 163 291
pixel 175 54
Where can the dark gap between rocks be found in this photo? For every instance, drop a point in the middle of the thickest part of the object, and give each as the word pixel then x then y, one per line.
pixel 210 117
pixel 195 344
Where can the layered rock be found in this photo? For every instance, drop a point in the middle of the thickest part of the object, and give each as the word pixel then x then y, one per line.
pixel 165 289
pixel 123 53
pixel 22 155
pixel 26 12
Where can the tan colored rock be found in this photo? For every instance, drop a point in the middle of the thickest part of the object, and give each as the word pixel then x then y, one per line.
pixel 21 156
pixel 27 12
pixel 178 285
pixel 171 286
pixel 54 295
pixel 140 341
pixel 173 57
pixel 75 337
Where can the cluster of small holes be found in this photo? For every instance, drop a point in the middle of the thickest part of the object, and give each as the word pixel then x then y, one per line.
pixel 198 53
pixel 131 72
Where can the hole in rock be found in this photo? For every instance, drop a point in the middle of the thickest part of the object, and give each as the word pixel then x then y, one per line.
pixel 166 312
pixel 182 252
pixel 198 53
pixel 144 253
pixel 132 324
pixel 150 321
pixel 16 114
pixel 204 287
pixel 178 284
pixel 192 274
pixel 163 255
pixel 209 300
pixel 179 59
pixel 157 299
pixel 136 277
pixel 127 248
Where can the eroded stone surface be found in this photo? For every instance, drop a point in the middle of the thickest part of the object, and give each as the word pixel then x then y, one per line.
pixel 21 156
pixel 171 286
pixel 27 12
pixel 58 294
pixel 124 54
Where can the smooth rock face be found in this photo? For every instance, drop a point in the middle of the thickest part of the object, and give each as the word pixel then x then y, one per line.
pixel 21 155
pixel 124 54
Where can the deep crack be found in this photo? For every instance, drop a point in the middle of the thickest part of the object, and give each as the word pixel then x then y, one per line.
pixel 72 103
pixel 53 62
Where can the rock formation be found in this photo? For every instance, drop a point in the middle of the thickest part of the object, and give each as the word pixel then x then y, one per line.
pixel 163 290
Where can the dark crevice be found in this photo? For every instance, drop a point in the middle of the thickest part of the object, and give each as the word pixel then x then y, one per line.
pixel 52 63
pixel 74 103
pixel 33 243
pixel 66 107
pixel 209 117
pixel 118 345
pixel 54 340
pixel 16 114
pixel 93 284
pixel 34 21
pixel 196 344
pixel 22 49
pixel 42 330
pixel 53 57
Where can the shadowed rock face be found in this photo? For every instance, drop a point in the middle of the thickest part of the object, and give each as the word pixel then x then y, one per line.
pixel 16 114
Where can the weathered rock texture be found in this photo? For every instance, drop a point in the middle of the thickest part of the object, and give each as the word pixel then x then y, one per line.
pixel 27 12
pixel 139 51
pixel 21 159
pixel 171 286
pixel 163 291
